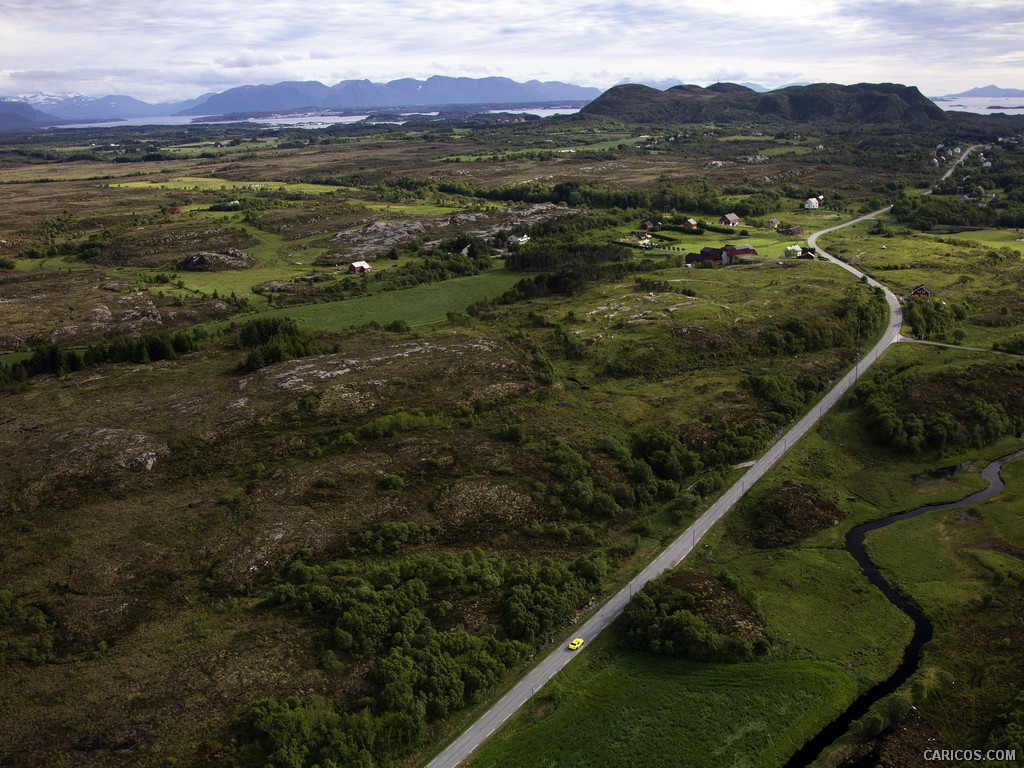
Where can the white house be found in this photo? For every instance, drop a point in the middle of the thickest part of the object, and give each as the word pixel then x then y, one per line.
pixel 812 203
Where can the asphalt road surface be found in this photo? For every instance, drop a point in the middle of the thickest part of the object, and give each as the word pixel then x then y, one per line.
pixel 511 702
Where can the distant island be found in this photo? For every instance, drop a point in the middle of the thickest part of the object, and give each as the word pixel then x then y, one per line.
pixel 986 92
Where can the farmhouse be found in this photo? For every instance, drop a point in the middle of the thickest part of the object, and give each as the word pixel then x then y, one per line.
pixel 716 255
pixel 773 223
pixel 735 251
pixel 359 267
pixel 514 240
pixel 697 258
pixel 690 223
pixel 706 254
pixel 729 220
pixel 921 290
pixel 814 202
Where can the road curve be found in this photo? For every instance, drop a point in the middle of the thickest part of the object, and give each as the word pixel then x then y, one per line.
pixel 671 556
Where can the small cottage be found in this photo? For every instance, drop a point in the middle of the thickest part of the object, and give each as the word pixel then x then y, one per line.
pixel 921 290
pixel 729 220
pixel 640 238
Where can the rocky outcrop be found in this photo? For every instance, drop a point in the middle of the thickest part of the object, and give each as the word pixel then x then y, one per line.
pixel 205 261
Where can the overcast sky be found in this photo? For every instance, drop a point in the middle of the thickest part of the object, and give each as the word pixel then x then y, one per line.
pixel 161 50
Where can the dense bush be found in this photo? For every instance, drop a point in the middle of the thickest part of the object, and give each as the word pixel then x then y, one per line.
pixel 302 734
pixel 693 616
pixel 971 409
pixel 26 634
pixel 421 672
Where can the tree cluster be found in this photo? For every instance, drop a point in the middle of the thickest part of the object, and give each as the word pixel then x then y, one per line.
pixel 669 617
pixel 57 360
pixel 933 319
pixel 402 617
pixel 895 416
pixel 275 339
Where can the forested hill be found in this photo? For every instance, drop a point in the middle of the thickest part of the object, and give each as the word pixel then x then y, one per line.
pixel 727 102
pixel 15 116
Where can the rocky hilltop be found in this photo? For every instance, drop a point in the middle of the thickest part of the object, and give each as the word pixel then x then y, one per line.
pixel 727 102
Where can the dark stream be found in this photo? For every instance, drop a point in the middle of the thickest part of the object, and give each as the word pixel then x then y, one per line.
pixel 809 752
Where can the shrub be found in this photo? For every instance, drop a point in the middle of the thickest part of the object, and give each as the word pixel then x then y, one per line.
pixel 391 483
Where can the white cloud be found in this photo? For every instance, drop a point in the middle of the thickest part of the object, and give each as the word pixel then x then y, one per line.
pixel 192 46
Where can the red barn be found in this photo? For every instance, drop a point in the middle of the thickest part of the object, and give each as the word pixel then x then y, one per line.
pixel 358 267
pixel 735 251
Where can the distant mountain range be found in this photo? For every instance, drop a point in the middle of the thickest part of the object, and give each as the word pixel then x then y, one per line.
pixel 729 102
pixel 38 110
pixel 360 94
pixel 629 102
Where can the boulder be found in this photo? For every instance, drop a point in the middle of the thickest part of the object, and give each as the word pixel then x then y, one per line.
pixel 205 261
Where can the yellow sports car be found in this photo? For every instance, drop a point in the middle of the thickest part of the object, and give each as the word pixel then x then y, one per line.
pixel 575 643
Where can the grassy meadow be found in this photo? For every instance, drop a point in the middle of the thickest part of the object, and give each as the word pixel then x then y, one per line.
pixel 672 712
pixel 415 306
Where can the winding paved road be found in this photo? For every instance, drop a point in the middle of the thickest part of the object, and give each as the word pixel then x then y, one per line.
pixel 671 556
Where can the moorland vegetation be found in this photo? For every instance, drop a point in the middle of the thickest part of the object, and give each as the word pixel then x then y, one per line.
pixel 288 515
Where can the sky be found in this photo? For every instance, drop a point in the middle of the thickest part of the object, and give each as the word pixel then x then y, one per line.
pixel 165 51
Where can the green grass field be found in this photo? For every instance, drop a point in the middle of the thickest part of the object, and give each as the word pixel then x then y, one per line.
pixel 671 712
pixel 993 238
pixel 418 305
